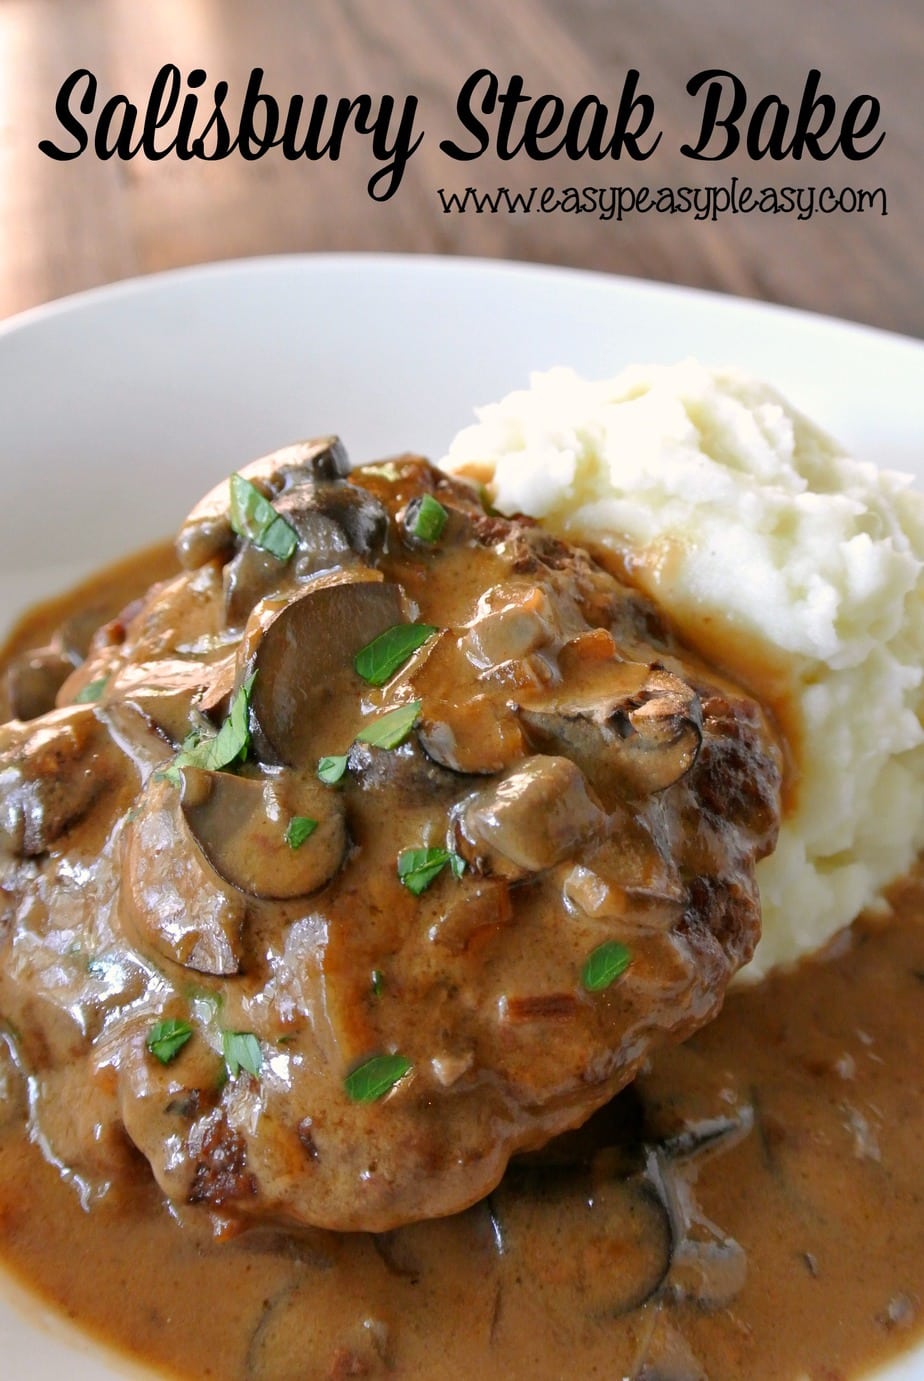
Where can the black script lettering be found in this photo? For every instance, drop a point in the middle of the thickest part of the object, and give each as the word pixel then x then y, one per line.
pixel 712 119
pixel 759 143
pixel 118 112
pixel 549 108
pixel 67 120
pixel 467 118
pixel 806 139
pixel 624 137
pixel 850 133
pixel 768 125
pixel 576 142
pixel 541 127
pixel 394 156
pixel 165 95
pixel 252 145
pixel 216 128
pixel 262 125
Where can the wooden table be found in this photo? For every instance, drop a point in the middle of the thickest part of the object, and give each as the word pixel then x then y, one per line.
pixel 65 226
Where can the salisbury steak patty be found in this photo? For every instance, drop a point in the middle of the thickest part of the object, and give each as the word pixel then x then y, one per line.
pixel 472 838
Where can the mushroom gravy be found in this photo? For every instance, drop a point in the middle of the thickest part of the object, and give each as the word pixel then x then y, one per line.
pixel 526 824
pixel 786 1136
pixel 750 1206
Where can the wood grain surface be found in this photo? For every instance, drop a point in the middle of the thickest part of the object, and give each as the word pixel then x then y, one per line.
pixel 66 226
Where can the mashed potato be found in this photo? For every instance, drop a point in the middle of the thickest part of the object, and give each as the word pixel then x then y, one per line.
pixel 794 566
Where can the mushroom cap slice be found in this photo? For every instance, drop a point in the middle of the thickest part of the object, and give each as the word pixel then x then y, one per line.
pixel 337 526
pixel 33 680
pixel 241 824
pixel 627 725
pixel 171 896
pixel 52 771
pixel 207 534
pixel 303 659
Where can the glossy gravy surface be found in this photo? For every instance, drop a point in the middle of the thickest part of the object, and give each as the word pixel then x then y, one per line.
pixel 751 1207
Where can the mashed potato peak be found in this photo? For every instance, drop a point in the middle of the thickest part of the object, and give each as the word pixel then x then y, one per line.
pixel 797 568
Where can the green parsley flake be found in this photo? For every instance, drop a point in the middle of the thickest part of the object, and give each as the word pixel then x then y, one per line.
pixel 604 965
pixel 254 518
pixel 91 692
pixel 376 1077
pixel 429 520
pixel 378 661
pixel 331 769
pixel 167 1038
pixel 378 982
pixel 391 729
pixel 300 828
pixel 388 731
pixel 227 746
pixel 417 868
pixel 241 1050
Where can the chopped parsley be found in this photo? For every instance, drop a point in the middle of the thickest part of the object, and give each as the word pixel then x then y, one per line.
pixel 229 745
pixel 604 965
pixel 254 518
pixel 376 1077
pixel 241 1050
pixel 388 731
pixel 380 659
pixel 331 769
pixel 167 1038
pixel 391 729
pixel 300 828
pixel 429 519
pixel 417 868
pixel 91 692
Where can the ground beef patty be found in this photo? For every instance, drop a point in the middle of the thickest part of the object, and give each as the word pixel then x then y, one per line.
pixel 473 836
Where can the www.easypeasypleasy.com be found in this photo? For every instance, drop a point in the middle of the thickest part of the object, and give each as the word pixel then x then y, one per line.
pixel 702 203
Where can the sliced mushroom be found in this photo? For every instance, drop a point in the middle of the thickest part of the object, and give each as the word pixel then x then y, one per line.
pixel 249 577
pixel 706 1266
pixel 303 659
pixel 206 534
pixel 400 779
pixel 166 691
pixel 355 514
pixel 465 727
pixel 512 621
pixel 613 1239
pixel 33 681
pixel 473 735
pixel 529 819
pixel 241 824
pixel 135 735
pixel 343 1340
pixel 171 896
pixel 629 726
pixel 336 524
pixel 49 779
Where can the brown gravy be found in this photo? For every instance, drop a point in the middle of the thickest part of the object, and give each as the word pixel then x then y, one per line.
pixel 752 1207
